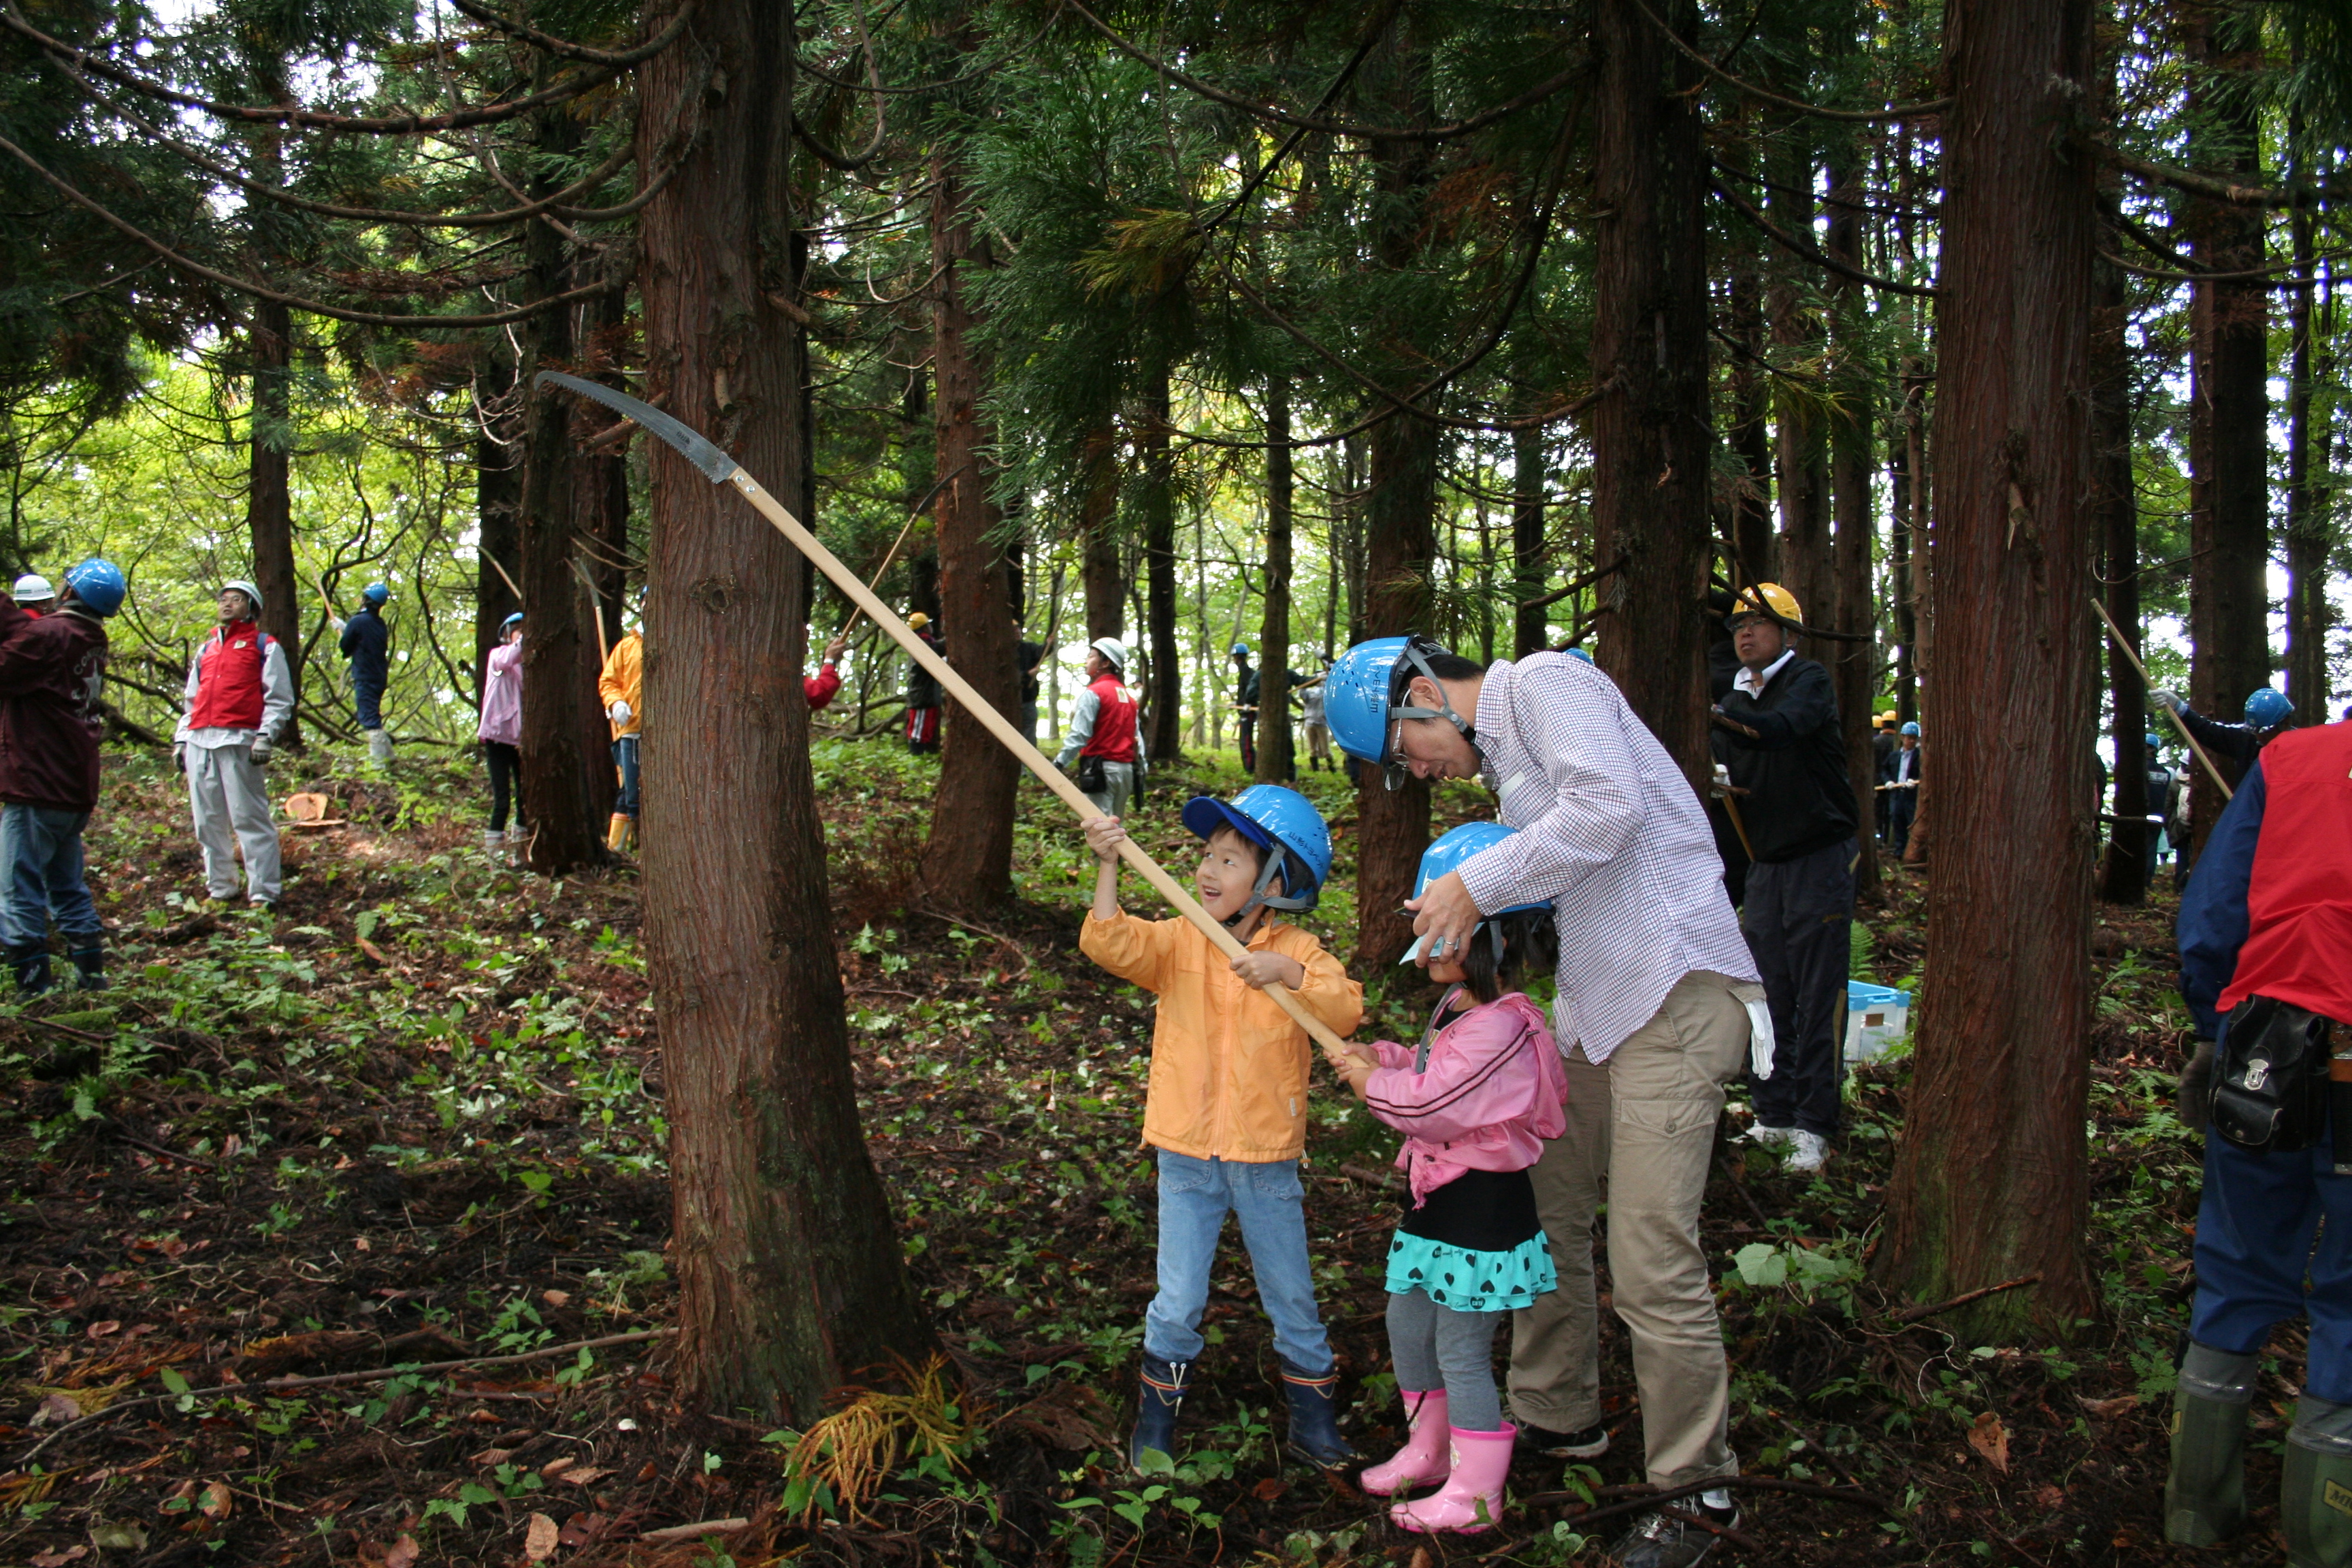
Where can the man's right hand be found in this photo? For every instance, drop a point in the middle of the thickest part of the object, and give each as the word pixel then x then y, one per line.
pixel 2196 1099
pixel 2169 700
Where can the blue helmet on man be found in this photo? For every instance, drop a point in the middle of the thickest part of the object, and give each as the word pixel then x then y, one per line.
pixel 1446 852
pixel 99 583
pixel 1912 729
pixel 2153 740
pixel 2267 708
pixel 1284 825
pixel 376 592
pixel 1363 698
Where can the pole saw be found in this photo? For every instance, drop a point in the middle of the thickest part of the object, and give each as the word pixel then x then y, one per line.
pixel 719 468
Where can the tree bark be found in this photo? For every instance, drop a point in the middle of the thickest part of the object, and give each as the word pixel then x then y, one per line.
pixel 1750 419
pixel 563 728
pixel 1989 1180
pixel 498 497
pixel 2307 530
pixel 602 494
pixel 1850 422
pixel 2123 876
pixel 790 1274
pixel 1164 694
pixel 968 862
pixel 1530 622
pixel 1274 763
pixel 269 495
pixel 1103 578
pixel 2229 446
pixel 1652 435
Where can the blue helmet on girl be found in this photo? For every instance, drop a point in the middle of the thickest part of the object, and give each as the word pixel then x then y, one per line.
pixel 1447 852
pixel 1285 825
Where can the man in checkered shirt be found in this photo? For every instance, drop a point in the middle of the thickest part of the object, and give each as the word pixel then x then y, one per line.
pixel 1657 1004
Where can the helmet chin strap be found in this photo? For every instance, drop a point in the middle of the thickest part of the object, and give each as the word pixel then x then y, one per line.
pixel 1444 709
pixel 1275 862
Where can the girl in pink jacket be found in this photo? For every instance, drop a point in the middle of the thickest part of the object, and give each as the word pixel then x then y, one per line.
pixel 1476 1101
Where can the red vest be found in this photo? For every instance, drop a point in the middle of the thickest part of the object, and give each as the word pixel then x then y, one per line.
pixel 1114 737
pixel 228 679
pixel 2299 904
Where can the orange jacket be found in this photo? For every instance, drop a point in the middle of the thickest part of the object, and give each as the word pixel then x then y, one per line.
pixel 623 680
pixel 1229 1068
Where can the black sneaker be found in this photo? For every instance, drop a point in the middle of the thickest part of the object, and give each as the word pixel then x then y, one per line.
pixel 1661 1540
pixel 1589 1443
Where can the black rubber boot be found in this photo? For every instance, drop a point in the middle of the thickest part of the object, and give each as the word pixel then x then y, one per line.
pixel 2205 1495
pixel 1160 1397
pixel 2315 1493
pixel 32 967
pixel 90 965
pixel 1314 1419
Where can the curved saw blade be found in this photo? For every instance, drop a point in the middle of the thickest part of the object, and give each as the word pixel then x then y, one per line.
pixel 716 465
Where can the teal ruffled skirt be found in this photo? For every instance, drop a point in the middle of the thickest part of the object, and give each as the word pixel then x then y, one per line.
pixel 1472 1282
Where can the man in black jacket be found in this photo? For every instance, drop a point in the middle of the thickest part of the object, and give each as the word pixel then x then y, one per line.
pixel 1787 758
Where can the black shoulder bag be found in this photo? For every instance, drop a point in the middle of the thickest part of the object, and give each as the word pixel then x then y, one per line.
pixel 2271 1078
pixel 1090 775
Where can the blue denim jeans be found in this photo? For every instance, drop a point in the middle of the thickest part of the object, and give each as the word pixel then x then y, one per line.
pixel 624 757
pixel 41 848
pixel 1268 1198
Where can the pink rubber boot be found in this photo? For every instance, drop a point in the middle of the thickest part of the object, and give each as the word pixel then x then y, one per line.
pixel 1422 1461
pixel 1471 1498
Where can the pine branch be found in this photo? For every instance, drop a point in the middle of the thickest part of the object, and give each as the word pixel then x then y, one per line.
pixel 1795 105
pixel 1812 253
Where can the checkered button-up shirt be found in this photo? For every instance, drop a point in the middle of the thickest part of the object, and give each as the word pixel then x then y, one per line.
pixel 1609 831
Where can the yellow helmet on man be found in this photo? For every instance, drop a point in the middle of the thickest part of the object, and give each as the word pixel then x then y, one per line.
pixel 1769 600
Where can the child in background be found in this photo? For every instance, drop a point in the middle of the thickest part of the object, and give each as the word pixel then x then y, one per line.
pixel 1227 1105
pixel 1476 1102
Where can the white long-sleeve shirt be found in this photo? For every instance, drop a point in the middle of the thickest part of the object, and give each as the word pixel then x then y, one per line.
pixel 1083 714
pixel 276 702
pixel 1612 833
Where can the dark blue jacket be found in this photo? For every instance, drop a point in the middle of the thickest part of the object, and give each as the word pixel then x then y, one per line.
pixel 367 643
pixel 2238 742
pixel 2212 925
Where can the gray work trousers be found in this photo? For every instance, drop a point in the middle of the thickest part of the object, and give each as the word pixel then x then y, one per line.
pixel 228 795
pixel 1118 788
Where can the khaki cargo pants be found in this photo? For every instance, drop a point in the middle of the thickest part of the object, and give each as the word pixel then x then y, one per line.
pixel 1640 1134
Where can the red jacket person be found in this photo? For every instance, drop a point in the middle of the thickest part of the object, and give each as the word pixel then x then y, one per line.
pixel 240 696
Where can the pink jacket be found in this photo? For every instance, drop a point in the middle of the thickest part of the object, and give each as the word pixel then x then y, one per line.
pixel 502 697
pixel 1489 1096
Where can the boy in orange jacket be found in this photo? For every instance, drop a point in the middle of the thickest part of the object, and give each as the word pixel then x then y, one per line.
pixel 1227 1105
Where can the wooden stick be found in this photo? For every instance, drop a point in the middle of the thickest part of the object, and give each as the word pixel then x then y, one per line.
pixel 2177 723
pixel 595 611
pixel 1920 1314
pixel 1052 778
pixel 913 517
pixel 502 572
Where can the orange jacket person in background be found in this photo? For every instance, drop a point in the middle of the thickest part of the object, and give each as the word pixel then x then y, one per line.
pixel 622 685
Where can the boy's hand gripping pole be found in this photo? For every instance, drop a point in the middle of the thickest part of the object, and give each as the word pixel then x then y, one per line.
pixel 720 468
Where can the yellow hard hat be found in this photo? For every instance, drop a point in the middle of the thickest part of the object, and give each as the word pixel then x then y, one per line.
pixel 1769 600
pixel 919 620
pixel 1889 717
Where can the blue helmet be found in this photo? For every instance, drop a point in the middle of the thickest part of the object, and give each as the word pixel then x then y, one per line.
pixel 1912 728
pixel 1363 697
pixel 99 584
pixel 511 621
pixel 1241 648
pixel 2154 740
pixel 1446 852
pixel 1580 653
pixel 376 592
pixel 2267 708
pixel 1286 824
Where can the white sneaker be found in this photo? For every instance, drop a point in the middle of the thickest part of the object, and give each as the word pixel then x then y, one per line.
pixel 1772 1137
pixel 1806 1152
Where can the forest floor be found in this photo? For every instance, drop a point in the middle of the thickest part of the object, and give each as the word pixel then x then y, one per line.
pixel 415 1117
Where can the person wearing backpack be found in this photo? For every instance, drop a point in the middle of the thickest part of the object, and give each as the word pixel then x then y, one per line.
pixel 2265 934
pixel 240 696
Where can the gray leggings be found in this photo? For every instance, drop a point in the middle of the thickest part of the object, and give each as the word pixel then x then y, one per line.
pixel 1437 1347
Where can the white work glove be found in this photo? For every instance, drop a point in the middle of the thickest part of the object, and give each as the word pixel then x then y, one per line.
pixel 620 713
pixel 1761 1044
pixel 260 752
pixel 2169 700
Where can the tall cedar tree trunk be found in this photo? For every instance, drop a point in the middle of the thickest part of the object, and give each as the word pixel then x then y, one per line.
pixel 1989 1180
pixel 2229 444
pixel 602 496
pixel 1273 736
pixel 269 497
pixel 1102 576
pixel 1750 419
pixel 498 495
pixel 968 863
pixel 1900 493
pixel 2123 876
pixel 2306 511
pixel 1164 696
pixel 563 735
pixel 1530 478
pixel 1652 438
pixel 1854 663
pixel 790 1275
pixel 1800 447
pixel 1400 531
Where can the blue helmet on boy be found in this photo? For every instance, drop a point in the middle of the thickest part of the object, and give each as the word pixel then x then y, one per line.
pixel 1447 852
pixel 98 583
pixel 376 592
pixel 2267 708
pixel 1363 698
pixel 1286 824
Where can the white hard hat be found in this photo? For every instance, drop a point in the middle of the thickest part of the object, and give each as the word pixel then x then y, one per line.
pixel 33 586
pixel 1112 649
pixel 246 588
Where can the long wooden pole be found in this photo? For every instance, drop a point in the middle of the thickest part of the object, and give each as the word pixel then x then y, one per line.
pixel 912 517
pixel 2177 723
pixel 1167 887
